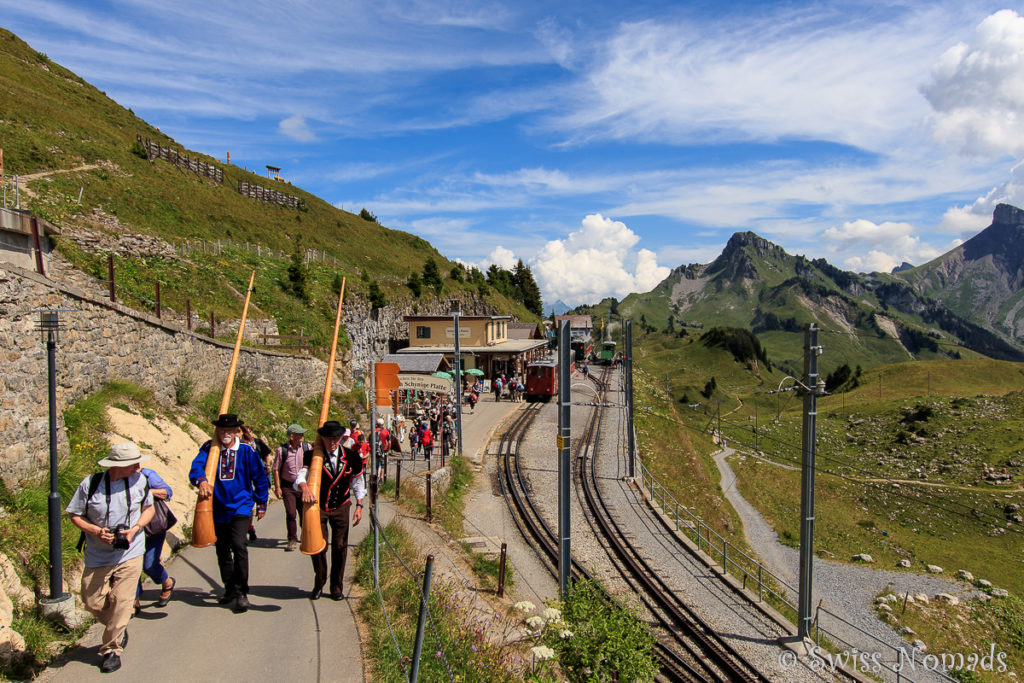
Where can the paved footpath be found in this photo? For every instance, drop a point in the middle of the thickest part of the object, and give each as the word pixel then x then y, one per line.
pixel 284 636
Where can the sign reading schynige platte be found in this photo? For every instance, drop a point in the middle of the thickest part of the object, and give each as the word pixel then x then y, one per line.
pixel 416 382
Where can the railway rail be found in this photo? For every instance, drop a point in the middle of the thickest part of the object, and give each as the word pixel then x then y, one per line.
pixel 688 649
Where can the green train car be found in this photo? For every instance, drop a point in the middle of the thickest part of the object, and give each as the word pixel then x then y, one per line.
pixel 607 353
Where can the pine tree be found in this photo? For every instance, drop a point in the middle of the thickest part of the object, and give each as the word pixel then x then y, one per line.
pixel 529 291
pixel 432 276
pixel 415 284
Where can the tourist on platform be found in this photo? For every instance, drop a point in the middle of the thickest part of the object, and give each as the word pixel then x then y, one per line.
pixel 427 439
pixel 110 509
pixel 287 463
pixel 155 537
pixel 249 438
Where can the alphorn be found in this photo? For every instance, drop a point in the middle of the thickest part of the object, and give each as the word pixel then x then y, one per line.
pixel 313 541
pixel 203 532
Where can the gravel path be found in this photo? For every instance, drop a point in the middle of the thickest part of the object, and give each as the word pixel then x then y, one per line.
pixel 846 590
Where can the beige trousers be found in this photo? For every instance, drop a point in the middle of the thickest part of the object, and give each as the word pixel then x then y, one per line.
pixel 109 595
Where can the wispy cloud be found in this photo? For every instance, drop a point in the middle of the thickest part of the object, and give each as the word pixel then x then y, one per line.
pixel 297 129
pixel 825 75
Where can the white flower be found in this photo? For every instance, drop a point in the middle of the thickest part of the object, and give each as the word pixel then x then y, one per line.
pixel 565 634
pixel 535 622
pixel 552 614
pixel 542 652
pixel 525 606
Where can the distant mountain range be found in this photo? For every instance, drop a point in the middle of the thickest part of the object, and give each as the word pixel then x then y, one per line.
pixel 982 280
pixel 558 308
pixel 968 301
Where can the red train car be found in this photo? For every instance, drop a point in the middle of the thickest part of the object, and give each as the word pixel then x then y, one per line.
pixel 541 381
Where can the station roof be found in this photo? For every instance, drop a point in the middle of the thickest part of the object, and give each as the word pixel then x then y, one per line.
pixel 436 318
pixel 419 362
pixel 510 346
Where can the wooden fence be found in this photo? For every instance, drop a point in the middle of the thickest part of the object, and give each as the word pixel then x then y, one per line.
pixel 216 248
pixel 171 155
pixel 265 194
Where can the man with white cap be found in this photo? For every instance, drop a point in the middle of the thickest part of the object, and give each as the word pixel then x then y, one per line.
pixel 111 508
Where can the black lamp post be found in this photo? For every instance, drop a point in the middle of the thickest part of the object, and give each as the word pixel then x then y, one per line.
pixel 50 325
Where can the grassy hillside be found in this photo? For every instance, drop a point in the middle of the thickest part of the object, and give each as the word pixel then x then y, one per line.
pixel 54 121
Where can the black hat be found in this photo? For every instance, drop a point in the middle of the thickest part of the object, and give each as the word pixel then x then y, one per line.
pixel 331 428
pixel 227 420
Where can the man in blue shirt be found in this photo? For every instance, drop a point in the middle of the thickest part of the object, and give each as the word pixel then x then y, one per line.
pixel 241 483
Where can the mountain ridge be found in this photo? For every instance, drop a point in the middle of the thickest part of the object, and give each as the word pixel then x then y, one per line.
pixel 756 284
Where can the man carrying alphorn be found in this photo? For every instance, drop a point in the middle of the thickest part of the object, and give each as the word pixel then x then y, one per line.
pixel 241 482
pixel 341 478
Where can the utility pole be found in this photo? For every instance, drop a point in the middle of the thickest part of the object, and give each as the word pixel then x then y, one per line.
pixel 374 484
pixel 564 463
pixel 812 387
pixel 456 312
pixel 630 441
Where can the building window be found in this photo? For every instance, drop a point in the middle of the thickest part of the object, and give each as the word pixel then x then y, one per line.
pixel 422 332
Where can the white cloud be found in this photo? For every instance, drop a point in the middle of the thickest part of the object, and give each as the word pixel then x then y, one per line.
pixel 297 129
pixel 502 257
pixel 977 89
pixel 596 262
pixel 863 231
pixel 888 245
pixel 969 219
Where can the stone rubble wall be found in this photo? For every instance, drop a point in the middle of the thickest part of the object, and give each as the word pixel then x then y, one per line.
pixel 101 342
pixel 373 332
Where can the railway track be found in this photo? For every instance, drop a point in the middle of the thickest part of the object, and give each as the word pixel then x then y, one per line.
pixel 683 627
pixel 687 649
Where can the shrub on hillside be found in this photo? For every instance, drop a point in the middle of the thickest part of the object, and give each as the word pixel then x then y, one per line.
pixel 138 150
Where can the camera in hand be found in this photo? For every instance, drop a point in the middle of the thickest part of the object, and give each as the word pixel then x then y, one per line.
pixel 121 541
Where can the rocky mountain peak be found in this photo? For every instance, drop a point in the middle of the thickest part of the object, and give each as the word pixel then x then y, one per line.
pixel 1006 214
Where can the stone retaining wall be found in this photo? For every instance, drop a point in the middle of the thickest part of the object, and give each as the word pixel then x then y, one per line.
pixel 102 342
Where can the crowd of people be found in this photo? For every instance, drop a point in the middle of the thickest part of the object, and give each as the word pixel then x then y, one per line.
pixel 124 518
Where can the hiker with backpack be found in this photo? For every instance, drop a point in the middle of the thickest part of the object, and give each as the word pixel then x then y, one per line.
pixel 110 509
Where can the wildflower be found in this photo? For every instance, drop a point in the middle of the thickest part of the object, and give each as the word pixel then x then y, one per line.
pixel 552 614
pixel 525 606
pixel 542 652
pixel 565 634
pixel 535 622
pixel 439 654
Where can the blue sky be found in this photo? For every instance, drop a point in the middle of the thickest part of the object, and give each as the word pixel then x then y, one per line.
pixel 601 144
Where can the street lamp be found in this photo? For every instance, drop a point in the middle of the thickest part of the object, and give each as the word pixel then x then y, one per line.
pixel 59 602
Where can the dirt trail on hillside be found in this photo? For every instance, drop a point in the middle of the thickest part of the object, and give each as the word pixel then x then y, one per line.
pixel 171 450
pixel 23 180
